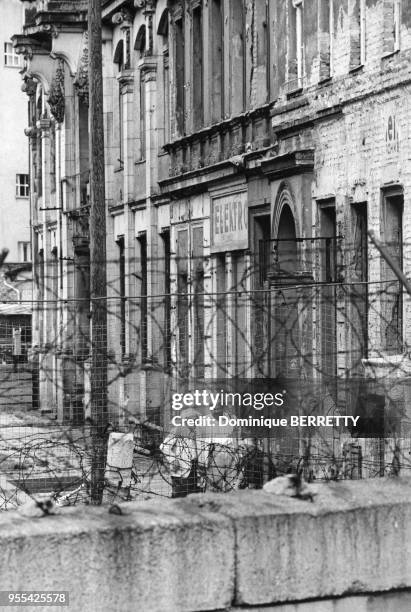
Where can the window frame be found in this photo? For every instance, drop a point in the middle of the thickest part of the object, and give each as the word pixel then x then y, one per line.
pixel 10 53
pixel 22 185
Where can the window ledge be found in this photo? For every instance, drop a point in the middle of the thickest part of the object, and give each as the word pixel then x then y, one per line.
pixel 356 69
pixel 325 80
pixel 390 54
pixel 139 161
pixel 119 169
pixel 295 93
pixel 22 197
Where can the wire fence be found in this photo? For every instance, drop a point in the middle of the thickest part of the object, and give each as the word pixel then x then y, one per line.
pixel 338 346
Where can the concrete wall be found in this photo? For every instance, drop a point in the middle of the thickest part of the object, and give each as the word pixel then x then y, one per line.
pixel 348 550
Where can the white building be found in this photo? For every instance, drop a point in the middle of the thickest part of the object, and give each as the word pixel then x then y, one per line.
pixel 14 181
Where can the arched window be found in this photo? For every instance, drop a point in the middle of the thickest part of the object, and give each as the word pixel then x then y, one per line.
pixel 162 30
pixel 140 44
pixel 217 60
pixel 140 47
pixel 118 59
pixel 237 93
pixel 119 55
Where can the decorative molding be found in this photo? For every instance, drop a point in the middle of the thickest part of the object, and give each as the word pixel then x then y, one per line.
pixel 81 80
pixel 147 5
pixel 123 16
pixel 56 98
pixel 50 28
pixel 31 132
pixel 29 86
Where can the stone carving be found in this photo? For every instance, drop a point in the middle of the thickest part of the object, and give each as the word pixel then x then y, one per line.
pixel 56 97
pixel 81 80
pixel 29 86
pixel 123 16
pixel 25 50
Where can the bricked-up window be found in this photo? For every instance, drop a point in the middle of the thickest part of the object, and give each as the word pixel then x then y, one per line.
pixel 392 294
pixel 11 59
pixel 182 303
pixel 357 33
pixel 142 243
pixel 237 72
pixel 198 300
pixel 197 66
pixel 179 76
pixel 217 59
pixel 325 35
pixel 391 25
pixel 295 43
pixel 22 185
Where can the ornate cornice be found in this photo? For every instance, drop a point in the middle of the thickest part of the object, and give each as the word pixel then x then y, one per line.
pixel 56 97
pixel 146 5
pixel 123 17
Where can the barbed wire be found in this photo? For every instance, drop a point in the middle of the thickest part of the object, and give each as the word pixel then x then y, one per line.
pixel 335 336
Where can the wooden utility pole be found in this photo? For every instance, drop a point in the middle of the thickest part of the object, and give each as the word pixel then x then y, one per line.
pixel 98 284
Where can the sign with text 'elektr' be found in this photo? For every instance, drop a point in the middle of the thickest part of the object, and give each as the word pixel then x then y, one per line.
pixel 229 223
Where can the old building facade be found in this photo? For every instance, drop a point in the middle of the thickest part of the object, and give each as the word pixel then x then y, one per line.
pixel 249 147
pixel 15 274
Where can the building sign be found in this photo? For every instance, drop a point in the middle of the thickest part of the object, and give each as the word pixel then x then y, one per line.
pixel 229 216
pixel 391 135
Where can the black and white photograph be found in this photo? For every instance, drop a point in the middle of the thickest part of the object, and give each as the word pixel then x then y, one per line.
pixel 205 305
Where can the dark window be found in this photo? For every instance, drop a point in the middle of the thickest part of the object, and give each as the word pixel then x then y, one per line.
pixel 324 22
pixel 237 89
pixel 328 293
pixel 392 294
pixel 359 287
pixel 182 302
pixel 357 34
pixel 167 297
pixel 122 295
pixel 142 118
pixel 143 297
pixel 179 75
pixel 197 33
pixel 391 25
pixel 217 60
pixel 221 316
pixel 198 301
